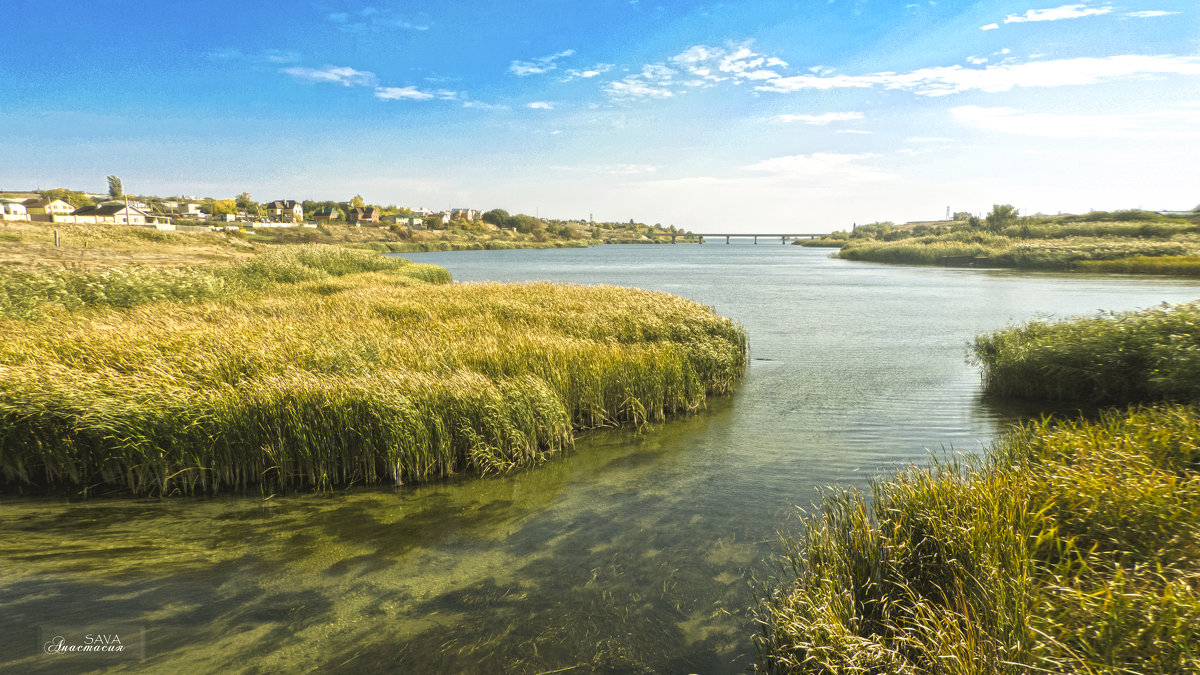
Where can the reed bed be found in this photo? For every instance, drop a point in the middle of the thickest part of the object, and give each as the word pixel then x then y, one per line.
pixel 1069 252
pixel 1149 355
pixel 1074 547
pixel 341 375
pixel 31 293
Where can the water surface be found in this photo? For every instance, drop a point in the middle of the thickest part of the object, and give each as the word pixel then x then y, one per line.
pixel 630 554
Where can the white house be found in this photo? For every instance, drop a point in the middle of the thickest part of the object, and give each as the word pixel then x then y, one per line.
pixel 13 209
pixel 112 213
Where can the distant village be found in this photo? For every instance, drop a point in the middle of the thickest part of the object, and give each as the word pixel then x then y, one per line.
pixel 168 214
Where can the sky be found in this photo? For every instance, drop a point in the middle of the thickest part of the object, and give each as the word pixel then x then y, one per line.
pixel 757 115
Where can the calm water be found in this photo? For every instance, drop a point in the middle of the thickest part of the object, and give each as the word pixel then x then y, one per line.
pixel 631 554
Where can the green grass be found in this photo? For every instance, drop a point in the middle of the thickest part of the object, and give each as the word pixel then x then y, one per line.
pixel 1151 355
pixel 1073 548
pixel 316 367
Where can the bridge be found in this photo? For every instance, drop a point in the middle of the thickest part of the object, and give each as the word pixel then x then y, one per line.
pixel 783 236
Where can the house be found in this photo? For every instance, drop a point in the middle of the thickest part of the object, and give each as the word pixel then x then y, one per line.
pixel 189 210
pixel 463 214
pixel 415 222
pixel 444 216
pixel 327 214
pixel 285 210
pixel 363 214
pixel 111 213
pixel 13 209
pixel 224 217
pixel 46 209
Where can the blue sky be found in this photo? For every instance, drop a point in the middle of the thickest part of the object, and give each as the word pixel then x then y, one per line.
pixel 766 116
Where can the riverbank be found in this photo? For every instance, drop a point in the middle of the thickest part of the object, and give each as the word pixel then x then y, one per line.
pixel 312 367
pixel 73 245
pixel 1072 547
pixel 1133 242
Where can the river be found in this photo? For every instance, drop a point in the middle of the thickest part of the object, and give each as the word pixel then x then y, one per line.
pixel 632 553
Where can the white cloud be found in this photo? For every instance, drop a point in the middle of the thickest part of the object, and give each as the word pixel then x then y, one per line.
pixel 483 106
pixel 820 165
pixel 655 81
pixel 540 105
pixel 538 66
pixel 854 131
pixel 402 94
pixel 1075 11
pixel 1149 14
pixel 587 73
pixel 630 169
pixel 1174 124
pixel 977 60
pixel 343 75
pixel 990 26
pixel 945 80
pixel 822 119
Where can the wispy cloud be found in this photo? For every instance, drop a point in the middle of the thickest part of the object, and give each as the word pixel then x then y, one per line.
pixel 377 19
pixel 1075 11
pixel 402 94
pixel 587 73
pixel 1158 124
pixel 538 66
pixel 697 67
pixel 343 75
pixel 822 165
pixel 1149 14
pixel 946 80
pixel 655 81
pixel 480 105
pixel 540 105
pixel 822 119
pixel 990 26
pixel 275 56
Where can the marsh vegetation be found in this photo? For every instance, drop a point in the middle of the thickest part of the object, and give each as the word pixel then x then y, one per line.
pixel 321 366
pixel 1135 242
pixel 1071 547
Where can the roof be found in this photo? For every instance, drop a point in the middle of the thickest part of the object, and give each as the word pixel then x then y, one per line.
pixel 106 210
pixel 327 211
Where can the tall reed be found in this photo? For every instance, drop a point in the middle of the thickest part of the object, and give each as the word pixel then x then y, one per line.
pixel 1073 548
pixel 332 375
pixel 1150 355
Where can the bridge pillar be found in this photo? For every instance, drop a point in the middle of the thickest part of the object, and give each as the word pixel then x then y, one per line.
pixel 726 240
pixel 756 240
pixel 672 239
pixel 783 240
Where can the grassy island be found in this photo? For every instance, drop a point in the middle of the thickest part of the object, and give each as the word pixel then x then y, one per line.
pixel 1133 242
pixel 312 367
pixel 1073 546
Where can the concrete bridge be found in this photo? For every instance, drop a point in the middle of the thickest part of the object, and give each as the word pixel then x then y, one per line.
pixel 783 236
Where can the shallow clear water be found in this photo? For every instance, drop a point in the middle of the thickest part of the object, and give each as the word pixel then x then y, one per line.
pixel 632 553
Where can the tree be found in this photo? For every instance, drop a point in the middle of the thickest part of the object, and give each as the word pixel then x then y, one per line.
pixel 497 217
pixel 76 199
pixel 433 222
pixel 222 206
pixel 245 203
pixel 357 202
pixel 115 189
pixel 1002 216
